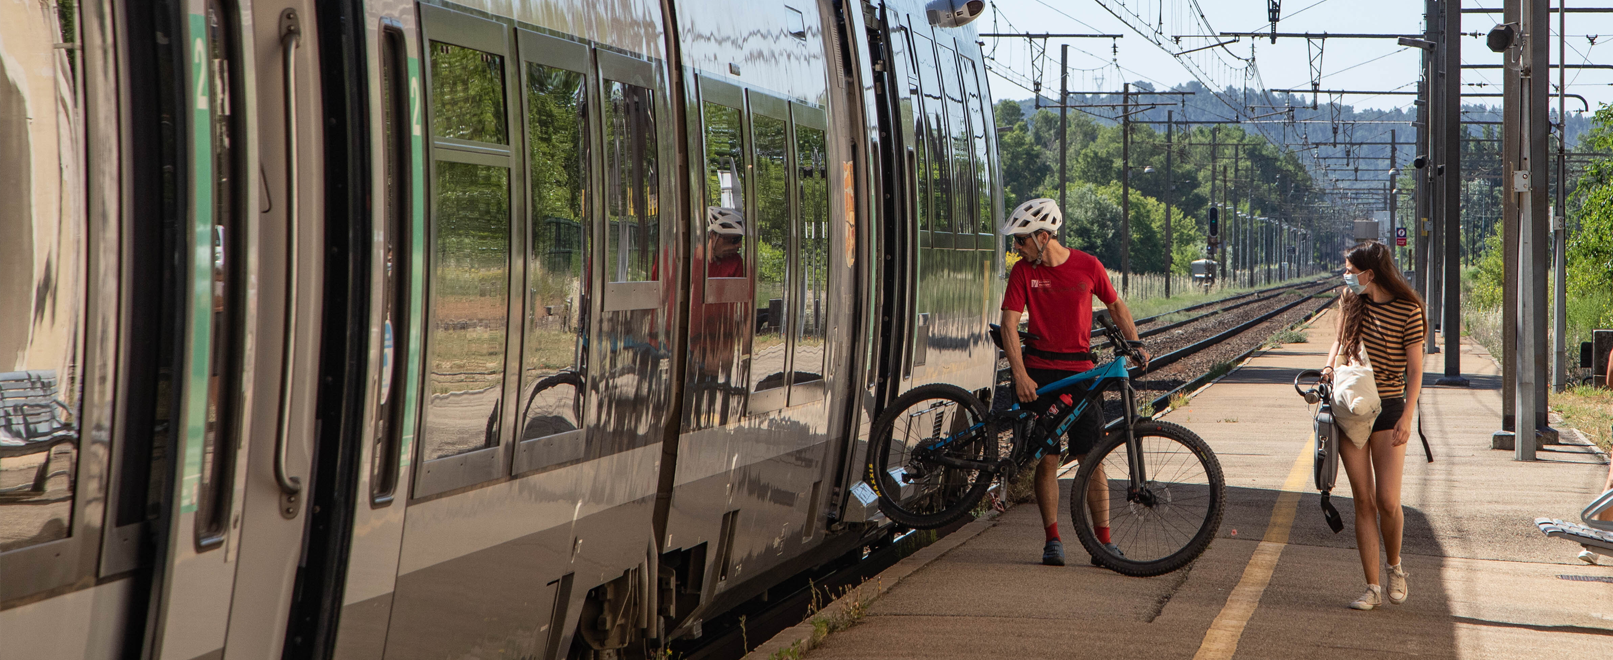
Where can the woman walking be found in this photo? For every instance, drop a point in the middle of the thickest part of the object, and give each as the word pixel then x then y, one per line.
pixel 1382 316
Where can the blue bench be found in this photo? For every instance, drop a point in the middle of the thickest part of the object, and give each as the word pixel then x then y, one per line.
pixel 32 421
pixel 1595 535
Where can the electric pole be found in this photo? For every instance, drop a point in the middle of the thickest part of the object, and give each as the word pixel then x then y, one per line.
pixel 1064 125
pixel 1125 188
pixel 1170 246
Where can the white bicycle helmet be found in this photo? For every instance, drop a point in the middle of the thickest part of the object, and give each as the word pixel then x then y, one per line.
pixel 725 221
pixel 1035 215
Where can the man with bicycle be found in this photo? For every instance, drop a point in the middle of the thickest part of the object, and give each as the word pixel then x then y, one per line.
pixel 1056 284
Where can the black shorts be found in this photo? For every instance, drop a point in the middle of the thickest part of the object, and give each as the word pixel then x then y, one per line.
pixel 1087 429
pixel 1390 415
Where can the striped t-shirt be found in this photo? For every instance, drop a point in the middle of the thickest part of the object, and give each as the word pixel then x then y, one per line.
pixel 1390 328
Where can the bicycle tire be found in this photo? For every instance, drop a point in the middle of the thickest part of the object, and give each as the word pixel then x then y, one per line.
pixel 941 494
pixel 553 420
pixel 1172 481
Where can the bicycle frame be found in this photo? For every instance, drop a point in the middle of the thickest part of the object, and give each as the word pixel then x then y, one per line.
pixel 1112 370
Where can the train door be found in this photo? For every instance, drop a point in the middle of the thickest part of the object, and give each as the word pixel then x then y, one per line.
pixel 394 106
pixel 136 375
pixel 902 118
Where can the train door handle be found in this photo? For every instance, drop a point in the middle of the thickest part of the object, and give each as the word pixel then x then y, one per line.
pixel 290 486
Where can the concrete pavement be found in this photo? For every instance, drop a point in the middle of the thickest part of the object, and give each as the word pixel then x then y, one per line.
pixel 1275 583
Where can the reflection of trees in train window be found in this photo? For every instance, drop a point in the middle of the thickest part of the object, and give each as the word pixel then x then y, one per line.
pixel 467 94
pixel 725 180
pixel 632 232
pixel 42 286
pixel 557 289
pixel 812 257
pixel 982 149
pixel 772 250
pixel 469 286
pixel 956 144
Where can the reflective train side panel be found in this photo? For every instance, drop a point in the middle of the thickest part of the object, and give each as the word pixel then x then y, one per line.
pixel 392 328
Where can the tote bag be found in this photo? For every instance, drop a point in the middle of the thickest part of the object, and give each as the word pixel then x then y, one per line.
pixel 1355 399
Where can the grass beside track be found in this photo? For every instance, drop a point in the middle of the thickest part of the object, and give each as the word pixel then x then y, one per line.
pixel 1588 409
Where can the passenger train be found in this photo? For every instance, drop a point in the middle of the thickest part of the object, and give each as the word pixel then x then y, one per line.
pixel 466 329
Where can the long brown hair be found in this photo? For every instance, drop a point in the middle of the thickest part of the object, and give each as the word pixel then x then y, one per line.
pixel 1376 257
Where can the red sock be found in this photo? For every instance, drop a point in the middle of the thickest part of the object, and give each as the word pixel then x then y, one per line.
pixel 1052 532
pixel 1103 534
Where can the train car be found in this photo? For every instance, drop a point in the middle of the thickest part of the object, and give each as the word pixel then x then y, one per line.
pixel 546 329
pixel 1204 272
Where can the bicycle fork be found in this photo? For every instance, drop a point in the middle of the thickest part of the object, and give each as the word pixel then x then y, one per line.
pixel 1137 492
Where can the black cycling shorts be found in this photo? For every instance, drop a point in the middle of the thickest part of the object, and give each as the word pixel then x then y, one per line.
pixel 1087 429
pixel 1390 415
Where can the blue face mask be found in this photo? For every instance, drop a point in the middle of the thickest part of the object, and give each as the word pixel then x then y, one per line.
pixel 1353 281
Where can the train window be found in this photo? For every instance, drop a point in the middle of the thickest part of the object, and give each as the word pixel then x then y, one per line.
pixel 469 284
pixel 935 166
pixel 772 168
pixel 554 357
pixel 632 233
pixel 985 222
pixel 397 164
pixel 42 283
pixel 958 145
pixel 716 347
pixel 812 259
pixel 467 94
pixel 725 192
pixel 218 441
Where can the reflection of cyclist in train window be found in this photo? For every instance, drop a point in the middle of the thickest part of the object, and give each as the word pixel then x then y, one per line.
pixel 714 337
pixel 725 242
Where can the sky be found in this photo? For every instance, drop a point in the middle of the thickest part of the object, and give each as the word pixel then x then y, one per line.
pixel 1354 64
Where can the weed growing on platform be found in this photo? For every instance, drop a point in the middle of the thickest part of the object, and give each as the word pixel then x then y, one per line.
pixel 1220 369
pixel 1179 400
pixel 1145 410
pixel 1588 409
pixel 1288 336
pixel 824 623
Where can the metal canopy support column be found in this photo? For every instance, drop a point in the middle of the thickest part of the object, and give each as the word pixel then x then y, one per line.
pixel 1559 311
pixel 1451 187
pixel 1510 157
pixel 1539 226
pixel 1436 117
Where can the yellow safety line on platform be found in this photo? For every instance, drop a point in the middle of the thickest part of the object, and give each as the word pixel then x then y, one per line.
pixel 1221 640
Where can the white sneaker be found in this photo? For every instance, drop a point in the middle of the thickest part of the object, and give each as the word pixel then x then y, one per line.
pixel 1397 584
pixel 1587 557
pixel 1372 598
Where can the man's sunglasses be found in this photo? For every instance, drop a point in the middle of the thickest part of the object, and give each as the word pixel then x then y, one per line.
pixel 1021 238
pixel 731 240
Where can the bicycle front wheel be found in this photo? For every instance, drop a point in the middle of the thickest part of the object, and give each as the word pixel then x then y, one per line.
pixel 929 454
pixel 1168 521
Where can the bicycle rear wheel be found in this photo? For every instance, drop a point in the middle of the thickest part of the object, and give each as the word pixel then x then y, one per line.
pixel 926 455
pixel 1166 524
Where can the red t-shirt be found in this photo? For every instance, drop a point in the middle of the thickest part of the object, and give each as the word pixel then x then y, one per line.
pixel 1059 299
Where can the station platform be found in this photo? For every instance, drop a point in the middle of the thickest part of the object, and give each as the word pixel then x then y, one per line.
pixel 1484 582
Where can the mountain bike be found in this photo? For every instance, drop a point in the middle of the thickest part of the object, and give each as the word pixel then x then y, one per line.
pixel 934 453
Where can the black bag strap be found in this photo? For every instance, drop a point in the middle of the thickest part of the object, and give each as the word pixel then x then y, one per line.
pixel 1055 355
pixel 1426 451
